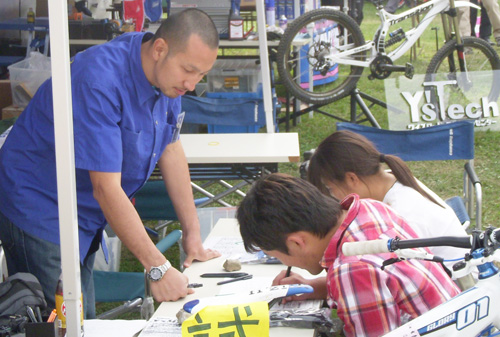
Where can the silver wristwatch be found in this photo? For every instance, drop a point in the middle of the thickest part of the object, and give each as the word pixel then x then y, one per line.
pixel 156 273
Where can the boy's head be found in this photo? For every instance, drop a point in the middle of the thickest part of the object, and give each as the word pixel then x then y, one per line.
pixel 289 218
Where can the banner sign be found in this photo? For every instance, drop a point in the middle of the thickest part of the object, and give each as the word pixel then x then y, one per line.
pixel 238 320
pixel 432 100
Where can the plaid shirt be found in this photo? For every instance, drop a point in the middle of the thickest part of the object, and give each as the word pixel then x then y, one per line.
pixel 371 301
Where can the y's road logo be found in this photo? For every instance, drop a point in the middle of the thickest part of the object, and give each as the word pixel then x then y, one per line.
pixel 435 105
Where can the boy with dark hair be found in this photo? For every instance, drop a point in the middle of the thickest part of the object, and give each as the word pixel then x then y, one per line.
pixel 290 219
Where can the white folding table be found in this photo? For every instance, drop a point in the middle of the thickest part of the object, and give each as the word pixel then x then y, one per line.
pixel 247 156
pixel 228 228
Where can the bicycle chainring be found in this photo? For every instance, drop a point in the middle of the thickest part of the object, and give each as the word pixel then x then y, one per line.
pixel 376 69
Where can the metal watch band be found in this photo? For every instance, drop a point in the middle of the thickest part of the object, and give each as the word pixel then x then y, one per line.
pixel 164 267
pixel 156 273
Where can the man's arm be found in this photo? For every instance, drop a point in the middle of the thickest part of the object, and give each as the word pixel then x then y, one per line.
pixel 125 222
pixel 175 172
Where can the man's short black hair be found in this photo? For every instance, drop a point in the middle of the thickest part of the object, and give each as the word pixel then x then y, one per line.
pixel 280 204
pixel 178 28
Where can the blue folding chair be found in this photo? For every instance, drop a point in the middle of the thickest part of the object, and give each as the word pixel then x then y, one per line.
pixel 153 203
pixel 133 288
pixel 243 113
pixel 452 141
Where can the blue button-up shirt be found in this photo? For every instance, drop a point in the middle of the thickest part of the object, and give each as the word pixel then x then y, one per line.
pixel 121 124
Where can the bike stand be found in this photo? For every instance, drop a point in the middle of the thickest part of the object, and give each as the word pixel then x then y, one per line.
pixel 356 96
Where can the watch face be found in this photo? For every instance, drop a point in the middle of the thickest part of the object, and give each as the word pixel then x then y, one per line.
pixel 155 274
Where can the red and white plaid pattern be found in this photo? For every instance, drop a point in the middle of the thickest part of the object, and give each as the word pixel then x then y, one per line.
pixel 371 301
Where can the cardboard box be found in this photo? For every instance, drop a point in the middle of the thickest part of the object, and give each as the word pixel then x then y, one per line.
pixel 247 4
pixel 42 8
pixel 11 111
pixel 5 94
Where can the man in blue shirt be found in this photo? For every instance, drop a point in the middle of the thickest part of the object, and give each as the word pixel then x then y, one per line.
pixel 126 111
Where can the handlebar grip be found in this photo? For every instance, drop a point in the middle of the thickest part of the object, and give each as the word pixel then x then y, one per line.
pixel 495 236
pixel 365 247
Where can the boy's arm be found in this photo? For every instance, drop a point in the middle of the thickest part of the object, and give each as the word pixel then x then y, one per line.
pixel 364 302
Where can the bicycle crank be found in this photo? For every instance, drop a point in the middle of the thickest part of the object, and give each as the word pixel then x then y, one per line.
pixel 382 67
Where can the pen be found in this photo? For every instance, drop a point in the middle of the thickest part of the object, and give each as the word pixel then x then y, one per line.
pixel 288 271
pixel 38 314
pixel 31 314
pixel 195 285
pixel 246 277
pixel 224 275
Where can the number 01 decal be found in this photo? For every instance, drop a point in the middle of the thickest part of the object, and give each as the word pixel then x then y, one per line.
pixel 474 311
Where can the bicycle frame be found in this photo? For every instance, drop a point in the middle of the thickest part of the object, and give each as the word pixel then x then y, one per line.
pixel 471 313
pixel 377 45
pixel 475 311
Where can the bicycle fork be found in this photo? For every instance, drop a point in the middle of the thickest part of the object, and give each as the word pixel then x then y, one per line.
pixel 449 35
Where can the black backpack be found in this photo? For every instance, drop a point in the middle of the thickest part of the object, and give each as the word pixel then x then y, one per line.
pixel 18 291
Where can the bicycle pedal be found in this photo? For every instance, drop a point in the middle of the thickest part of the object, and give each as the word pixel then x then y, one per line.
pixel 409 71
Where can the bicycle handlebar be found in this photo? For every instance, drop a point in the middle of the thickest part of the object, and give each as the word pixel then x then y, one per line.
pixel 495 236
pixel 477 240
pixel 366 247
pixel 390 245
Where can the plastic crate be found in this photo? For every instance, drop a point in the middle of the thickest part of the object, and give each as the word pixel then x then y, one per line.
pixel 234 76
pixel 27 76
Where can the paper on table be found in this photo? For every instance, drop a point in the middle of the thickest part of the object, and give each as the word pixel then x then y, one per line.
pixel 237 286
pixel 230 247
pixel 298 305
pixel 161 327
pixel 115 327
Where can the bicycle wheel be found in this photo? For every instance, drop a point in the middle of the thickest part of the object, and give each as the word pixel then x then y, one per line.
pixel 305 63
pixel 479 81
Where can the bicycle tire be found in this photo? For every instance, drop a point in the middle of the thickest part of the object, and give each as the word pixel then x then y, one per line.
pixel 481 79
pixel 340 80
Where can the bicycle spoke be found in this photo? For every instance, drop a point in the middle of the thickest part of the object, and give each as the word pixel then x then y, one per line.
pixel 478 81
pixel 307 52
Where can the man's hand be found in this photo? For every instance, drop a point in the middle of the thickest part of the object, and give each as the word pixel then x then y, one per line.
pixel 171 287
pixel 195 251
pixel 318 284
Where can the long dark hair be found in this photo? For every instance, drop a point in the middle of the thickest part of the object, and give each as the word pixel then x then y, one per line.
pixel 346 151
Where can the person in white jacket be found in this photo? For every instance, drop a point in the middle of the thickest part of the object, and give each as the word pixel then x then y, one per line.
pixel 346 162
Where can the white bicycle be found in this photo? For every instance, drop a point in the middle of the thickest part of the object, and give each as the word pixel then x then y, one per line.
pixel 474 312
pixel 323 53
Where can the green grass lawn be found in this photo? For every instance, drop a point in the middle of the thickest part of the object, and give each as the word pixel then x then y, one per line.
pixel 442 177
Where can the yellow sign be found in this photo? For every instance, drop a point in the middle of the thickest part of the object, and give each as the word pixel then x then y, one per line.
pixel 232 320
